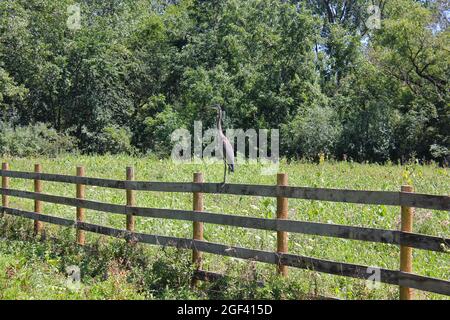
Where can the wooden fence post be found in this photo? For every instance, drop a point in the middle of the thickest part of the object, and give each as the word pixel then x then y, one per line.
pixel 282 213
pixel 80 211
pixel 37 203
pixel 5 185
pixel 406 252
pixel 131 200
pixel 198 226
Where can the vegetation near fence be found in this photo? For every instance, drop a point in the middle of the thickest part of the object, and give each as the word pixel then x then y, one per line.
pixel 405 237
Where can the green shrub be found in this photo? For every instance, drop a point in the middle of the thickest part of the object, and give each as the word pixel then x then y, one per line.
pixel 312 132
pixel 34 140
pixel 368 134
pixel 157 121
pixel 441 153
pixel 111 139
pixel 117 140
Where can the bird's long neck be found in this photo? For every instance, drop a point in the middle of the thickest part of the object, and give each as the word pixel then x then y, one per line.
pixel 219 120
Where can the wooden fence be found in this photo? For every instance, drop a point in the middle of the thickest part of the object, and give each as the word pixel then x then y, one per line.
pixel 405 238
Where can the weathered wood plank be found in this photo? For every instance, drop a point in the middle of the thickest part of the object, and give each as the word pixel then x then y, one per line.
pixel 415 281
pixel 302 262
pixel 420 241
pixel 437 202
pixel 406 257
pixel 5 185
pixel 319 265
pixel 41 217
pixel 414 240
pixel 64 178
pixel 80 212
pixel 82 203
pixel 321 229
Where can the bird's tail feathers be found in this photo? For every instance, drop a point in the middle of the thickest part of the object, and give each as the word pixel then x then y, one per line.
pixel 230 167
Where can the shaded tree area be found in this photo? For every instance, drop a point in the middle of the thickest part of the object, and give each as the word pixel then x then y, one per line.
pixel 138 69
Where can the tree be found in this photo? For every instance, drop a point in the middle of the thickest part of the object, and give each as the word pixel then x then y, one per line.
pixel 412 49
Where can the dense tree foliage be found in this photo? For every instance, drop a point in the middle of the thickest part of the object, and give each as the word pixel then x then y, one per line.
pixel 136 70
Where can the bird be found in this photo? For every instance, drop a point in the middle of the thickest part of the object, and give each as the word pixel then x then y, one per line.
pixel 227 148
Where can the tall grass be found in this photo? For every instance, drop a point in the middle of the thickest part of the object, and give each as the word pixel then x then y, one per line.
pixel 425 179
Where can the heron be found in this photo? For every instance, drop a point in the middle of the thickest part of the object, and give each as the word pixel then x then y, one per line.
pixel 227 148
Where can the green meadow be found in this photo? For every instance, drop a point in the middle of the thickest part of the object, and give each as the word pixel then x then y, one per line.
pixel 35 268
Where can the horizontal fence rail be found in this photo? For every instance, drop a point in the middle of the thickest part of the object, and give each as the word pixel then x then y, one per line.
pixel 390 198
pixel 414 240
pixel 405 238
pixel 320 265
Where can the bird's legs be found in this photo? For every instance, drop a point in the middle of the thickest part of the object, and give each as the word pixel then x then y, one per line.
pixel 224 174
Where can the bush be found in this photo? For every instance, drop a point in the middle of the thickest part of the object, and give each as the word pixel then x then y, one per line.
pixel 111 139
pixel 117 140
pixel 34 140
pixel 156 122
pixel 441 153
pixel 312 132
pixel 160 129
pixel 368 134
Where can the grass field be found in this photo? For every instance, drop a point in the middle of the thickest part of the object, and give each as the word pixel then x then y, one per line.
pixel 36 269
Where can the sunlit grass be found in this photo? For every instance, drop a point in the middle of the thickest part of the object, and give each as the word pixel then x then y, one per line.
pixel 425 179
